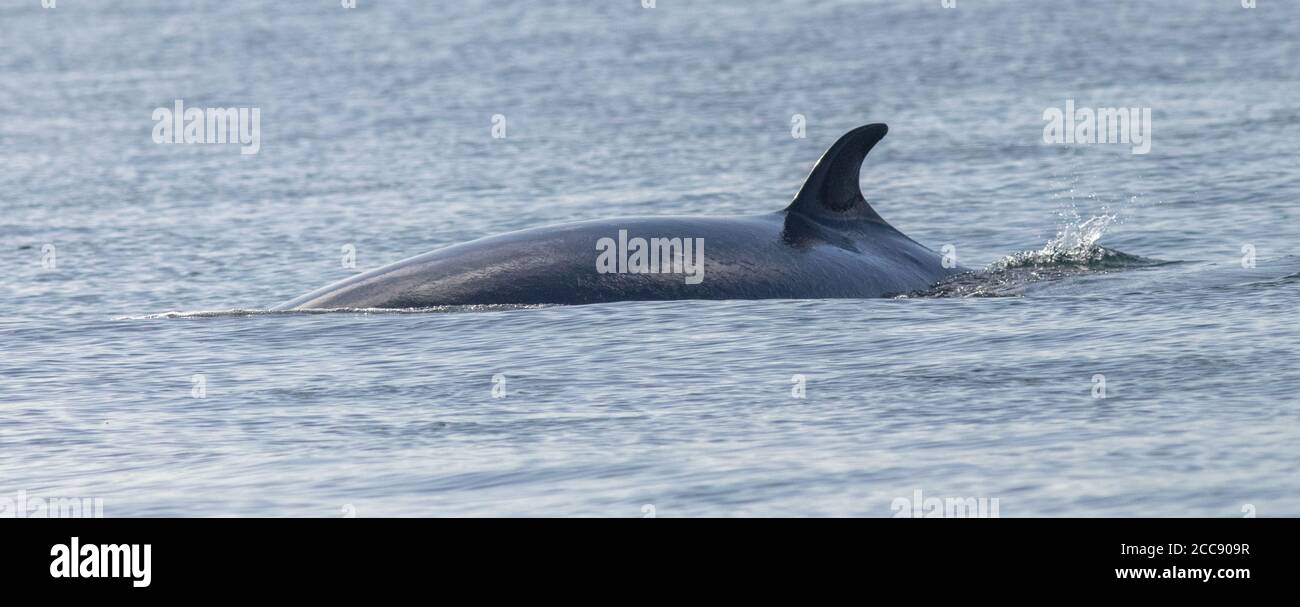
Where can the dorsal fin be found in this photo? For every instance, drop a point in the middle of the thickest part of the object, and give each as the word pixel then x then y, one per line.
pixel 831 190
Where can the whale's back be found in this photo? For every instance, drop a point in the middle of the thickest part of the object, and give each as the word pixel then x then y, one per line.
pixel 828 243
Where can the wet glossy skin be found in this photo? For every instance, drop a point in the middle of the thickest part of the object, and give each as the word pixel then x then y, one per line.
pixel 829 243
pixel 773 256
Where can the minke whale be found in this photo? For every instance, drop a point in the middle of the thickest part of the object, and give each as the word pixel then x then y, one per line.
pixel 828 243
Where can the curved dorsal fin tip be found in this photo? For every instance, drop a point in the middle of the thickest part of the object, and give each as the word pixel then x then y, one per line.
pixel 832 187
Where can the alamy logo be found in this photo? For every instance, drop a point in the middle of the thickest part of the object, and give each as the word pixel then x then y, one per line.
pixel 953 507
pixel 72 560
pixel 23 505
pixel 179 124
pixel 651 256
pixel 1128 125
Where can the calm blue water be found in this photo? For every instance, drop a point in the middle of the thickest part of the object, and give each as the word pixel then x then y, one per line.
pixel 376 133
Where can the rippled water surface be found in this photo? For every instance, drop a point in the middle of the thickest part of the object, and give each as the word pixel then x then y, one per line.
pixel 1101 265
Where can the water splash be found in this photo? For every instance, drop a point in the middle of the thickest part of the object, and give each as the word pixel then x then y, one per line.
pixel 1074 250
pixel 1075 243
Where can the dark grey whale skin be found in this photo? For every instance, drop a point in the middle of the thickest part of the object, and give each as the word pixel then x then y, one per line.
pixel 829 243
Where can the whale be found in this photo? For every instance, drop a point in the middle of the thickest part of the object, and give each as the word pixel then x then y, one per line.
pixel 827 243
